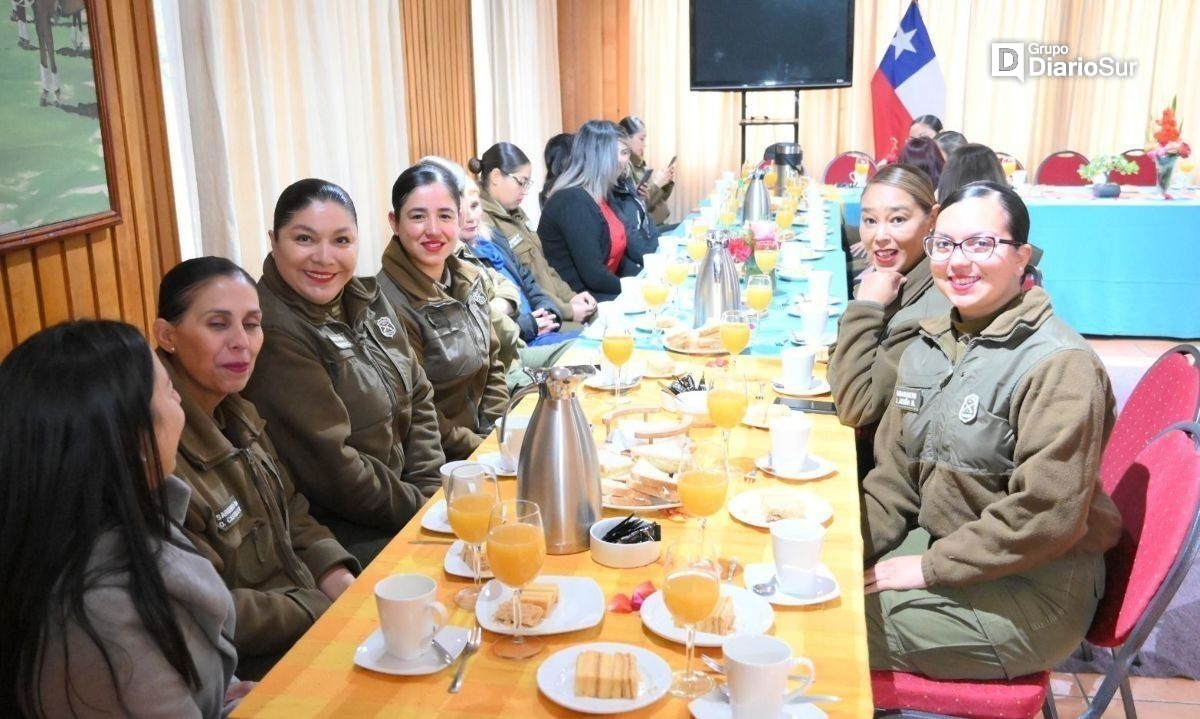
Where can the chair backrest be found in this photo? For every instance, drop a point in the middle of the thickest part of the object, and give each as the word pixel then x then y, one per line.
pixel 1002 156
pixel 1169 392
pixel 1159 500
pixel 1032 278
pixel 1146 175
pixel 841 167
pixel 1061 168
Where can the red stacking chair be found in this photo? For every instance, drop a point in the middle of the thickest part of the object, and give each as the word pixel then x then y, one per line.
pixel 1061 168
pixel 1146 174
pixel 840 167
pixel 1159 500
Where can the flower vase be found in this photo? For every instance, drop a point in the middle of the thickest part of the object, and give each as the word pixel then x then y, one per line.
pixel 1164 167
pixel 1103 189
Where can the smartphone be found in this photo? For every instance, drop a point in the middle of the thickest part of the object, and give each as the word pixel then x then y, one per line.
pixel 672 162
pixel 808 405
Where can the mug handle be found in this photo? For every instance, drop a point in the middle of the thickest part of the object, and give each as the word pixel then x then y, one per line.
pixel 806 681
pixel 441 616
pixel 853 177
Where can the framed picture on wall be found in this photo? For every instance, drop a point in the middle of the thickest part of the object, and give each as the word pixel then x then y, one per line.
pixel 55 143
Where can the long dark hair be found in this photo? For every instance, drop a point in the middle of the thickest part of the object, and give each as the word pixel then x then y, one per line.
pixel 1010 202
pixel 78 458
pixel 970 163
pixel 185 279
pixel 503 156
pixel 557 155
pixel 923 153
pixel 302 193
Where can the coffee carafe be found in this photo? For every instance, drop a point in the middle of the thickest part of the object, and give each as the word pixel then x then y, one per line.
pixel 717 287
pixel 558 468
pixel 788 160
pixel 757 205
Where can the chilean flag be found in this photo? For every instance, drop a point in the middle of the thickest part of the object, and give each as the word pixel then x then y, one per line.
pixel 908 83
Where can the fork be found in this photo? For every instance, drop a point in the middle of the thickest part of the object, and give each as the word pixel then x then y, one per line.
pixel 474 640
pixel 750 477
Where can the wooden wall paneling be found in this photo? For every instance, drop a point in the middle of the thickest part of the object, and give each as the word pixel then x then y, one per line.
pixel 55 302
pixel 7 337
pixel 80 284
pixel 23 292
pixel 593 48
pixel 438 78
pixel 104 271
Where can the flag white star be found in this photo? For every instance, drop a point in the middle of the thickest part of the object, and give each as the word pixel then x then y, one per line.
pixel 902 42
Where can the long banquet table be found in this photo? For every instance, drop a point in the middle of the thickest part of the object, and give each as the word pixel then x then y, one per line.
pixel 318 677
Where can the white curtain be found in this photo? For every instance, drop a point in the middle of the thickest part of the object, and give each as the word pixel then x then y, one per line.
pixel 276 91
pixel 517 95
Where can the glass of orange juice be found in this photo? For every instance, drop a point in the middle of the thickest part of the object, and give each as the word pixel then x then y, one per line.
pixel 759 292
pixel 1009 165
pixel 703 481
pixel 727 401
pixel 516 549
pixel 691 588
pixel 735 332
pixel 617 347
pixel 471 492
pixel 697 248
pixel 785 216
pixel 655 292
pixel 766 254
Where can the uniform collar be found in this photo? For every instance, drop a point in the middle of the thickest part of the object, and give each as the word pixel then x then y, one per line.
pixel 354 297
pixel 203 442
pixel 411 280
pixel 1018 321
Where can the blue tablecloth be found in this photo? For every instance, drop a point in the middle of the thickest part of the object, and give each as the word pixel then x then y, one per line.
pixel 1126 267
pixel 772 333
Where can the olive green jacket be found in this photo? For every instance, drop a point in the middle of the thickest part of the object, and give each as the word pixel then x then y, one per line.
pixel 449 326
pixel 996 455
pixel 870 340
pixel 656 197
pixel 247 518
pixel 350 409
pixel 513 226
pixel 501 293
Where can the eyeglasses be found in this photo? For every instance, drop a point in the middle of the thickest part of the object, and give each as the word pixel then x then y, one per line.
pixel 525 183
pixel 976 248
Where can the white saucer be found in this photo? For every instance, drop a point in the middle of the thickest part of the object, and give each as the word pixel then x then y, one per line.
pixel 581 605
pixel 454 563
pixel 556 679
pixel 818 387
pixel 747 506
pixel 826 586
pixel 372 654
pixel 751 615
pixel 603 384
pixel 714 705
pixel 436 519
pixel 797 339
pixel 792 274
pixel 796 309
pixel 647 324
pixel 495 461
pixel 814 468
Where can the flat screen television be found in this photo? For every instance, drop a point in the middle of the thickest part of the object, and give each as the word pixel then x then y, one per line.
pixel 771 44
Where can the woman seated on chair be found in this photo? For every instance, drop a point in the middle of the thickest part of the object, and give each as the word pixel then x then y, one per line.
pixel 108 608
pixel 640 231
pixel 991 443
pixel 283 568
pixel 923 153
pixel 584 237
pixel 442 305
pixel 654 186
pixel 347 402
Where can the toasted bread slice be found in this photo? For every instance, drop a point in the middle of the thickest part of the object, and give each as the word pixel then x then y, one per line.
pixel 664 456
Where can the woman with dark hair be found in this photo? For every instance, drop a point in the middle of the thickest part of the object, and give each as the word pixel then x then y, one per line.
pixel 654 186
pixel 923 153
pixel 992 445
pixel 584 237
pixel 898 210
pixel 108 608
pixel 505 177
pixel 970 163
pixel 557 155
pixel 348 404
pixel 948 141
pixel 925 126
pixel 283 568
pixel 443 307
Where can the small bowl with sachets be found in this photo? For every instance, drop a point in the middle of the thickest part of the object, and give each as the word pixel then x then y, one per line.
pixel 626 542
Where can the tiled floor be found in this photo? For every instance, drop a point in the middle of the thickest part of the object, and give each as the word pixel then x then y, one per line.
pixel 1154 698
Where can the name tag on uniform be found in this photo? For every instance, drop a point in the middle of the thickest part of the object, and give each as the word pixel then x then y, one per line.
pixel 907 399
pixel 338 340
pixel 515 240
pixel 229 516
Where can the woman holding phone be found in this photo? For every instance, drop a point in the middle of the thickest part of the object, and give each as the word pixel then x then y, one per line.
pixel 654 186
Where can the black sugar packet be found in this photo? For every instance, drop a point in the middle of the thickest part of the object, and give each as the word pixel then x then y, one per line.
pixel 633 530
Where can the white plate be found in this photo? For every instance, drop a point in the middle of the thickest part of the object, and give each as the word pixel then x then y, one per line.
pixel 608 504
pixel 720 351
pixel 647 324
pixel 826 586
pixel 456 565
pixel 751 615
pixel 757 409
pixel 714 705
pixel 372 654
pixel 580 605
pixel 792 274
pixel 818 387
pixel 436 519
pixel 747 506
pixel 494 460
pixel 797 339
pixel 556 679
pixel 814 468
pixel 601 383
pixel 674 372
pixel 796 309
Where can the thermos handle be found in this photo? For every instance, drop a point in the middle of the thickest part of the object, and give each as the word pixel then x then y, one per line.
pixel 512 402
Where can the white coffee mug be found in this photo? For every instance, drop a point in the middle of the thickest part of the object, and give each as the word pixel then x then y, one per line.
pixel 1019 177
pixel 797 365
pixel 756 671
pixel 654 264
pixel 819 234
pixel 409 615
pixel 789 442
pixel 790 254
pixel 819 282
pixel 813 319
pixel 857 179
pixel 510 444
pixel 796 544
pixel 631 292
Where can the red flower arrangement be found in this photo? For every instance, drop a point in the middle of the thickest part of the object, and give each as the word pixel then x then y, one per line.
pixel 1167 138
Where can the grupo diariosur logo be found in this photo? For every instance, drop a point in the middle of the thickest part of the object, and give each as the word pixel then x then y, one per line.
pixel 1029 60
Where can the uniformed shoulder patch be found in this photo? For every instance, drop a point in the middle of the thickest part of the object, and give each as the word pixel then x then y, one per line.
pixel 386 328
pixel 477 295
pixel 229 515
pixel 969 409
pixel 907 399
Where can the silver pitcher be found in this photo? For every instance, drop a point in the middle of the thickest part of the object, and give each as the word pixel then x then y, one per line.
pixel 558 468
pixel 757 205
pixel 788 160
pixel 717 287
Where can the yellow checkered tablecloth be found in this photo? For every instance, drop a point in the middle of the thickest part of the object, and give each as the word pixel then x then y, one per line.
pixel 318 678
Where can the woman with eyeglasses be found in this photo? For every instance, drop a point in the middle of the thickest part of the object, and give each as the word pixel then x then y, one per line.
pixel 896 293
pixel 582 233
pixel 991 443
pixel 505 177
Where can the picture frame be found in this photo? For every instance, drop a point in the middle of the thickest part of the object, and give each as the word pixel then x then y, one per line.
pixel 59 154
